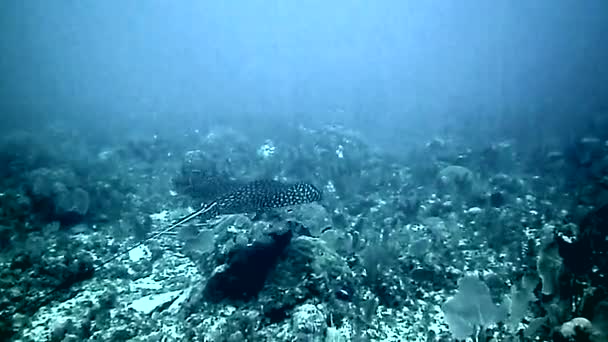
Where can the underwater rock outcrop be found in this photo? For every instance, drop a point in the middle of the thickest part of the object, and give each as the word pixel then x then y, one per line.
pixel 590 248
pixel 244 275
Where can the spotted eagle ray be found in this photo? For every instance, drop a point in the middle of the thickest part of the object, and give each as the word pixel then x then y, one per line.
pixel 252 197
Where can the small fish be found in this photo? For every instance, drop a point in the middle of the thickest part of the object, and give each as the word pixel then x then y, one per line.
pixel 254 196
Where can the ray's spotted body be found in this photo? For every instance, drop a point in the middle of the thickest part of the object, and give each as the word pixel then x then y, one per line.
pixel 265 194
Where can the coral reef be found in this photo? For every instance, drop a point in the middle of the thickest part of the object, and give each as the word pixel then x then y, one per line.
pixel 447 239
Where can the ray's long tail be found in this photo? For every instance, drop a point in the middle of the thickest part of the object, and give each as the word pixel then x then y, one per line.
pixel 183 220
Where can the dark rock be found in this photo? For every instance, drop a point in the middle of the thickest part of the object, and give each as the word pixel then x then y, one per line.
pixel 247 269
pixel 423 275
pixel 590 249
pixel 497 199
pixel 21 262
